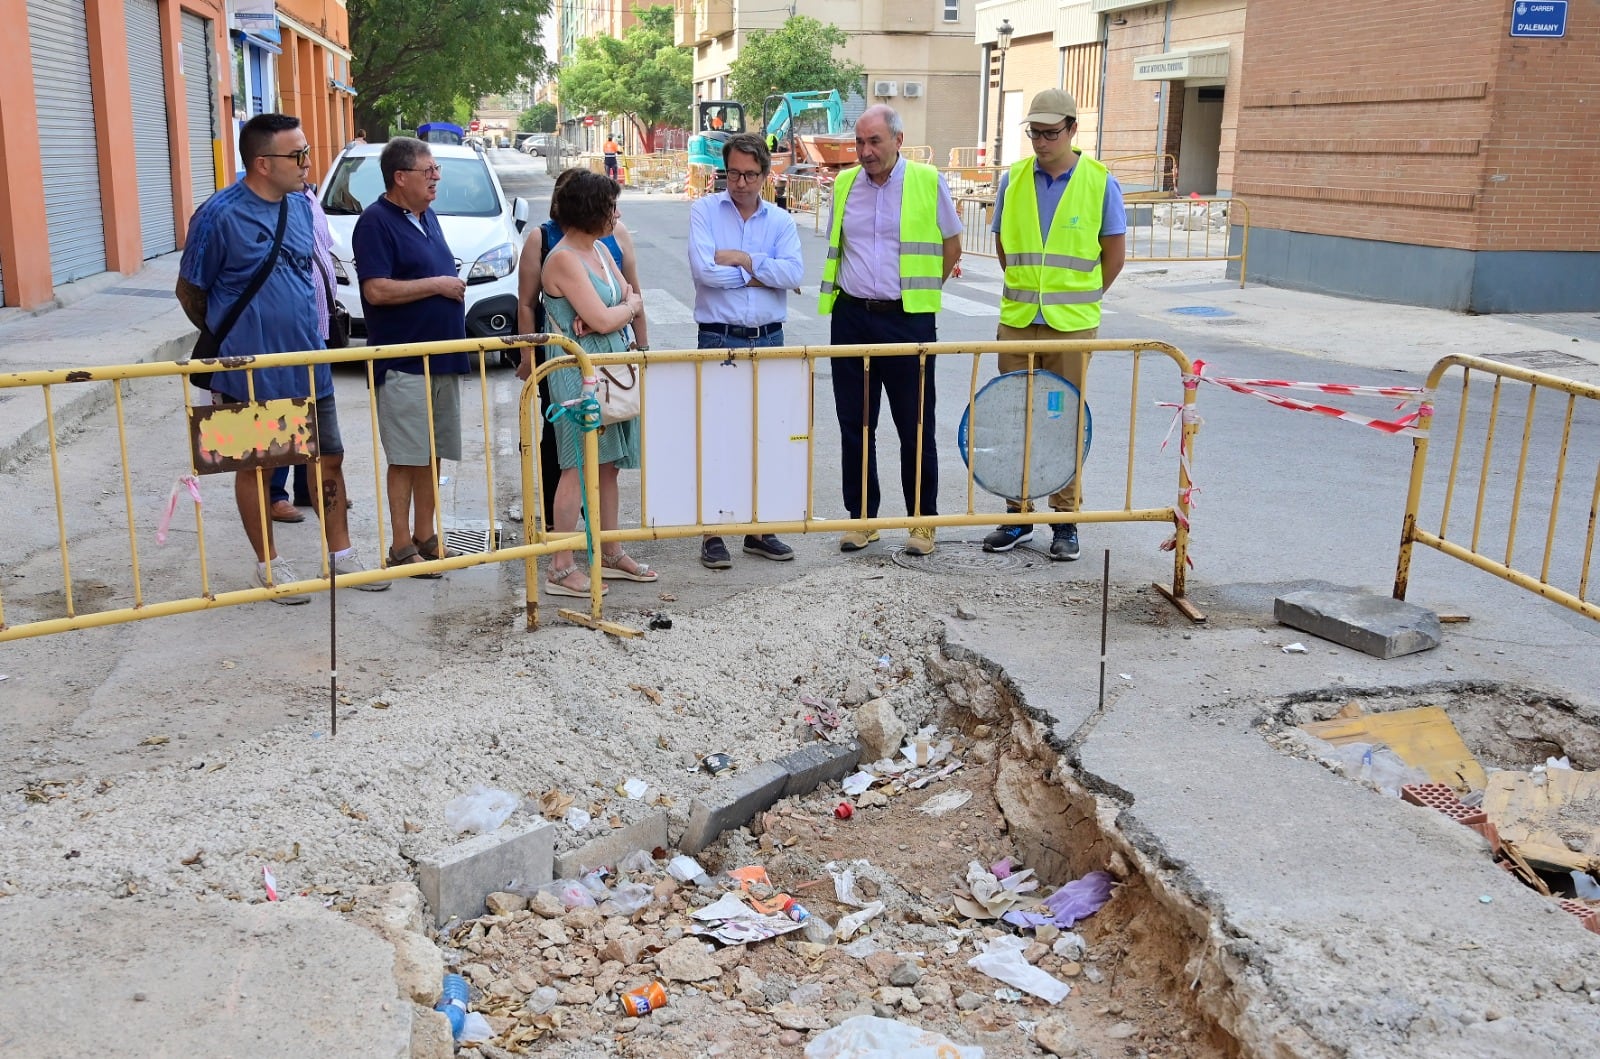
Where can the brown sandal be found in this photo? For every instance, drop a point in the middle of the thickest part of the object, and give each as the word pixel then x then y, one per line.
pixel 429 549
pixel 409 556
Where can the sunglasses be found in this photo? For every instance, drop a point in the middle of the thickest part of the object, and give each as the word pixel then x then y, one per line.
pixel 301 157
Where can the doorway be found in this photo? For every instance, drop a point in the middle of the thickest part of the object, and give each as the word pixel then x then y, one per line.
pixel 1200 146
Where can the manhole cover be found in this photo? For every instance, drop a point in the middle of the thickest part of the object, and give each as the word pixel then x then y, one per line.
pixel 1551 362
pixel 960 557
pixel 1204 312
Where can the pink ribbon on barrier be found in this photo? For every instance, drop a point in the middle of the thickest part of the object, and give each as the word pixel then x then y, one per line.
pixel 172 504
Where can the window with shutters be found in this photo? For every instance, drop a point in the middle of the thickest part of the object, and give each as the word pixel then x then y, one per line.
pixel 952 10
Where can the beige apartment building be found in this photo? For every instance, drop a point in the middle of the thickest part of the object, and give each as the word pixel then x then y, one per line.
pixel 918 56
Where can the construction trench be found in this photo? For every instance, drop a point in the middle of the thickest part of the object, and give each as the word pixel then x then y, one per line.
pixel 1262 904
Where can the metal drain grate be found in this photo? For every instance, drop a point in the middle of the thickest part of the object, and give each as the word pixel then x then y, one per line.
pixel 1551 362
pixel 968 557
pixel 471 536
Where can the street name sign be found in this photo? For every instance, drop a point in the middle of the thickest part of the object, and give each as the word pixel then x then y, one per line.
pixel 1539 18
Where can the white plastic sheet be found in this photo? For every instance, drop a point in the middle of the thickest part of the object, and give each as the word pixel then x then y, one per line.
pixel 481 809
pixel 1001 959
pixel 869 1037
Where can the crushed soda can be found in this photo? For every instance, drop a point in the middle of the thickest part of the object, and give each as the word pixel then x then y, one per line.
pixel 645 999
pixel 717 764
pixel 660 620
pixel 844 810
pixel 796 911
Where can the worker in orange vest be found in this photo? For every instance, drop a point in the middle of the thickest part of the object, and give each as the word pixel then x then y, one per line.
pixel 611 151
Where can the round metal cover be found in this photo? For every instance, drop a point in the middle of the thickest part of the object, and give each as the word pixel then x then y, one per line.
pixel 993 429
pixel 968 557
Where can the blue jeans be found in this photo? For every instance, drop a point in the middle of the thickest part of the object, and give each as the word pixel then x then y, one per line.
pixel 712 340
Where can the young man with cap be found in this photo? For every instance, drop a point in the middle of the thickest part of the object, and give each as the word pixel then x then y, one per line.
pixel 894 239
pixel 1060 234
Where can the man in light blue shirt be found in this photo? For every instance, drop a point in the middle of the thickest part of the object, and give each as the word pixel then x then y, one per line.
pixel 744 255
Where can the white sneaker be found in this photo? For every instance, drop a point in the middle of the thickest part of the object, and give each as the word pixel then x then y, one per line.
pixel 351 565
pixel 282 574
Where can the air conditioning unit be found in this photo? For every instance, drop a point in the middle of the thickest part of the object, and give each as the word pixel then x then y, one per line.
pixel 885 88
pixel 913 89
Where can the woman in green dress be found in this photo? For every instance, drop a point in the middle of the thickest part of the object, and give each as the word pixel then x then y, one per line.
pixel 582 285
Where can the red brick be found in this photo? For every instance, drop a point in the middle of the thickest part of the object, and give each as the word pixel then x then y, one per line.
pixel 1586 915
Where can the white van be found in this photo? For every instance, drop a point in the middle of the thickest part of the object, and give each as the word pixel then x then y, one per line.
pixel 483 229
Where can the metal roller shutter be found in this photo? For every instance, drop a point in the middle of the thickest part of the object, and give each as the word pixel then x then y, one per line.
pixel 198 63
pixel 59 36
pixel 152 162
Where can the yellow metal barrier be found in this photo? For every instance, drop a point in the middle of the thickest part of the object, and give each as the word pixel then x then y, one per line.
pixel 1502 501
pixel 1144 176
pixel 974 188
pixel 1175 511
pixel 144 472
pixel 151 470
pixel 1191 229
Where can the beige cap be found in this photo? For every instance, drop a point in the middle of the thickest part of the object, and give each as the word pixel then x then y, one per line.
pixel 1051 106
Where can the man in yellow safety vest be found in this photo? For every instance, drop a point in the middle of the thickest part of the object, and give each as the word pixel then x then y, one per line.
pixel 1060 234
pixel 894 240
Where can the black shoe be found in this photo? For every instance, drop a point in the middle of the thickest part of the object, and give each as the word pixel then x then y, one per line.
pixel 768 547
pixel 714 554
pixel 1064 548
pixel 1007 537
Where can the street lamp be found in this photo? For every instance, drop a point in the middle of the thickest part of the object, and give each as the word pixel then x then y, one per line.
pixel 1003 42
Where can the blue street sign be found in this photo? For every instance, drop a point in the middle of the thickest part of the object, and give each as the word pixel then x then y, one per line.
pixel 1539 18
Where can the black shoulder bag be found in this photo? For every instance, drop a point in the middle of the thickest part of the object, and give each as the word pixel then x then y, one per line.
pixel 338 315
pixel 209 344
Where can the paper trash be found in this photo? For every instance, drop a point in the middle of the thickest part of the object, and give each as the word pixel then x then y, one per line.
pixel 732 922
pixel 853 922
pixel 1001 959
pixel 858 783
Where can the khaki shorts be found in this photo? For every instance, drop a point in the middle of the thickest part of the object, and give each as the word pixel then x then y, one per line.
pixel 403 418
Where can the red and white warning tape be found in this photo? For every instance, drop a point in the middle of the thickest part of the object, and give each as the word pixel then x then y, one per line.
pixel 1405 425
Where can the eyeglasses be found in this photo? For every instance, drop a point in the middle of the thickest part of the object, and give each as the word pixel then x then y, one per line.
pixel 431 170
pixel 1047 135
pixel 300 157
pixel 744 175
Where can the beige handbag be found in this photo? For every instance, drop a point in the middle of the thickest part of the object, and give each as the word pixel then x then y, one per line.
pixel 617 390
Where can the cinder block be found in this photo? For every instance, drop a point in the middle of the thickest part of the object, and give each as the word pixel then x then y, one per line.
pixel 456 879
pixel 1441 797
pixel 1586 915
pixel 1374 625
pixel 817 763
pixel 647 834
pixel 733 804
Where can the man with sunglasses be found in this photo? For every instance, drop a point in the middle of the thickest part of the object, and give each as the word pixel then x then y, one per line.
pixel 411 292
pixel 230 237
pixel 744 257
pixel 1060 234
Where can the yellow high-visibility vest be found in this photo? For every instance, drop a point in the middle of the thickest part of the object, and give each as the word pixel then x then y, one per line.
pixel 921 243
pixel 1059 276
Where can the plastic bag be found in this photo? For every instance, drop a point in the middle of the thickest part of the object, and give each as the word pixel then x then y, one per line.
pixel 481 809
pixel 637 861
pixel 1002 959
pixel 628 898
pixel 869 1037
pixel 1375 764
pixel 856 920
pixel 574 894
pixel 475 1028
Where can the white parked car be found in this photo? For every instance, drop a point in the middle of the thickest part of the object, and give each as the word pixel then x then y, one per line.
pixel 483 228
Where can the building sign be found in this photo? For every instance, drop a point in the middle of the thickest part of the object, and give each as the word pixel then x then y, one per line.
pixel 253 16
pixel 1206 62
pixel 1539 18
pixel 1161 68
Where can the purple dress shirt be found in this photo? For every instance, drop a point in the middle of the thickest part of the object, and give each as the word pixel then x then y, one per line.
pixel 869 263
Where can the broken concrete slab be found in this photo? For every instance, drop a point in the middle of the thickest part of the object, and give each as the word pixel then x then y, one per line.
pixel 195 977
pixel 647 834
pixel 1374 625
pixel 812 766
pixel 456 879
pixel 733 804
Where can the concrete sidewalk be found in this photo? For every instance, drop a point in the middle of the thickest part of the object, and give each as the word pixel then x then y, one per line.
pixel 97 322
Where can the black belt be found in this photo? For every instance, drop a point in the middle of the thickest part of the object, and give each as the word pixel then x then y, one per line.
pixel 875 305
pixel 736 331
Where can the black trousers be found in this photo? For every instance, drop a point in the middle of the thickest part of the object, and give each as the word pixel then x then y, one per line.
pixel 857 395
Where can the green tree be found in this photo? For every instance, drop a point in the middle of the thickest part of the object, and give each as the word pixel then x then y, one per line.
pixel 414 58
pixel 797 58
pixel 642 77
pixel 541 117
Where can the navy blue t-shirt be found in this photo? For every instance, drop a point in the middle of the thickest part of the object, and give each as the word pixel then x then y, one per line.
pixel 229 236
pixel 388 245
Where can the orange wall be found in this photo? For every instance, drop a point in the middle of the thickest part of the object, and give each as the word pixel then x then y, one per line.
pixel 24 240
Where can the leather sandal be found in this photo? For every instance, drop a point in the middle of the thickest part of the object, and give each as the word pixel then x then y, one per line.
pixel 611 567
pixel 559 583
pixel 409 556
pixel 429 548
